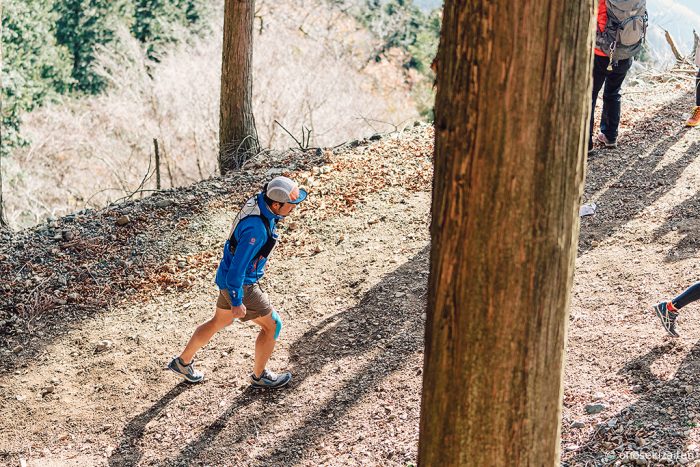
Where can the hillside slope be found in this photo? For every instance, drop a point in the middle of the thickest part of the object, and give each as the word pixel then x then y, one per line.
pixel 84 374
pixel 349 277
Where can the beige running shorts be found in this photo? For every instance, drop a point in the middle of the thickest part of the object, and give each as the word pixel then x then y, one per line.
pixel 256 302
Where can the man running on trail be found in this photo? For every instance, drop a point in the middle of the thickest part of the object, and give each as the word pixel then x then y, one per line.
pixel 668 311
pixel 694 119
pixel 252 238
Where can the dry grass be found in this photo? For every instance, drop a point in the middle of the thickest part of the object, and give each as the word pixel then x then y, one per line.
pixel 310 68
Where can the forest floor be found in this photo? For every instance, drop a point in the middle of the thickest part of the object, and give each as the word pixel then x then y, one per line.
pixel 91 311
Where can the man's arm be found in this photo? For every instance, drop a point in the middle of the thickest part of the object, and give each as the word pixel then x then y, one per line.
pixel 602 15
pixel 252 236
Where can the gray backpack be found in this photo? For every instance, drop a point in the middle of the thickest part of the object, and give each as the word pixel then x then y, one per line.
pixel 625 30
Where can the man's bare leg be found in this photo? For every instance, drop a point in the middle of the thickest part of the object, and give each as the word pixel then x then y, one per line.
pixel 205 332
pixel 264 344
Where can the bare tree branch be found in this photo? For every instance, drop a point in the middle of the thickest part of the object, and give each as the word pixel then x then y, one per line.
pixel 680 59
pixel 299 143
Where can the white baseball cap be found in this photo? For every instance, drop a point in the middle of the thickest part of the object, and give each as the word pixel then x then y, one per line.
pixel 285 190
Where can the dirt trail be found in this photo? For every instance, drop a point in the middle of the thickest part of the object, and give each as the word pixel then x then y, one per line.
pixel 641 247
pixel 350 280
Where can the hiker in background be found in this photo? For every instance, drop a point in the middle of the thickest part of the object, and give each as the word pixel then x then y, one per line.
pixel 620 32
pixel 252 238
pixel 668 311
pixel 694 119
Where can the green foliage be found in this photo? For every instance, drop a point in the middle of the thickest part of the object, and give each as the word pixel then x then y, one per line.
pixel 424 47
pixel 156 22
pixel 49 46
pixel 151 25
pixel 81 26
pixel 195 12
pixel 401 24
pixel 34 69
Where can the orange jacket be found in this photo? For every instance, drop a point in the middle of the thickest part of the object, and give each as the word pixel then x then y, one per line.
pixel 602 21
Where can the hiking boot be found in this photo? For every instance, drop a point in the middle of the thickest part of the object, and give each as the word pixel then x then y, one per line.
pixel 694 119
pixel 606 142
pixel 186 371
pixel 667 317
pixel 268 379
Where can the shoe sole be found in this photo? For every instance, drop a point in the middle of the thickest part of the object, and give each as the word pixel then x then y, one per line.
pixel 606 144
pixel 185 377
pixel 257 386
pixel 663 321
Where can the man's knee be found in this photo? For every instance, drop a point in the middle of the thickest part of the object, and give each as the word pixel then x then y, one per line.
pixel 278 324
pixel 271 324
pixel 223 317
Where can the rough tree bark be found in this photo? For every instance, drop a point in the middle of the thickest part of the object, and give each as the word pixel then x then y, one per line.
pixel 238 139
pixel 513 99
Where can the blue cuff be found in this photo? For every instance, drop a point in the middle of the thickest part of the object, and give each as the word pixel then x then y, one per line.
pixel 236 296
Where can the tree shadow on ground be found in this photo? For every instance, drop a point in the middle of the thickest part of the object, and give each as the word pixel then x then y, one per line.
pixel 128 452
pixel 632 182
pixel 685 220
pixel 381 322
pixel 653 429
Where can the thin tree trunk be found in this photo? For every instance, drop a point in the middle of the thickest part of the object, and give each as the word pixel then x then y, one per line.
pixel 513 99
pixel 3 219
pixel 155 149
pixel 238 139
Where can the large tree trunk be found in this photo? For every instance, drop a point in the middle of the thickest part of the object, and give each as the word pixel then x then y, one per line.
pixel 238 139
pixel 513 99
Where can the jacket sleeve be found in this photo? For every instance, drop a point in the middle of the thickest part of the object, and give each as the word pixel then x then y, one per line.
pixel 602 15
pixel 251 237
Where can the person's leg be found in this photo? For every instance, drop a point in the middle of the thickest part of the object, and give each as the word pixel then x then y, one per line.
pixel 599 64
pixel 270 327
pixel 205 332
pixel 690 295
pixel 610 120
pixel 694 119
pixel 260 311
pixel 668 311
pixel 264 344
